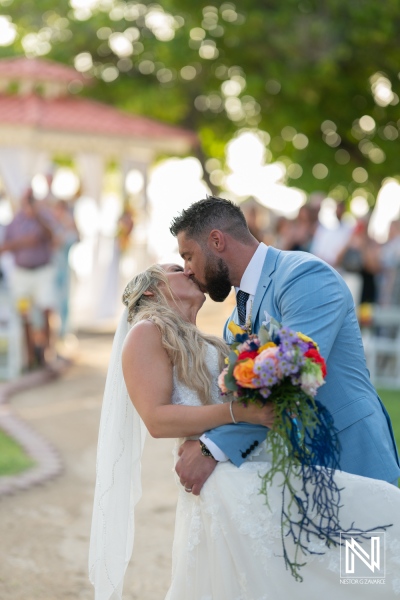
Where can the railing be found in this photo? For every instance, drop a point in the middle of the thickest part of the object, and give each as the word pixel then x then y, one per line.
pixel 382 346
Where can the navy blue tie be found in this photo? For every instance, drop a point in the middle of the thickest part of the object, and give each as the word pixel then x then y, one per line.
pixel 241 301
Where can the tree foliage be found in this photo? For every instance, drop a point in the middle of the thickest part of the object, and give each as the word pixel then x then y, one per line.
pixel 321 78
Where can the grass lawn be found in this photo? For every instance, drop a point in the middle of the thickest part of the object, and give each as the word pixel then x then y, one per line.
pixel 13 458
pixel 391 400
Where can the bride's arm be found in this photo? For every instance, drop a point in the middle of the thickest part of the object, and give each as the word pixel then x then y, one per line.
pixel 148 377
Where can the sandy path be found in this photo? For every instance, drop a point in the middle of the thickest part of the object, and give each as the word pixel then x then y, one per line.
pixel 44 532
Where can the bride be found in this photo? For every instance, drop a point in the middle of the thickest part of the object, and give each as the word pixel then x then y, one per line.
pixel 227 543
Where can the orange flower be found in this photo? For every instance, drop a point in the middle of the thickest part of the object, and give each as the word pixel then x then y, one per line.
pixel 244 374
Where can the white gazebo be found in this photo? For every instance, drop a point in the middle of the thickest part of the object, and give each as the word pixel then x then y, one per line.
pixel 42 117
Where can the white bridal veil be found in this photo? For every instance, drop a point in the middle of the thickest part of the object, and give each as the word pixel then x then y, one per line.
pixel 118 482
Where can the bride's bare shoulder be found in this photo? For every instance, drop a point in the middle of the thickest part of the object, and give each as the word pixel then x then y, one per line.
pixel 143 336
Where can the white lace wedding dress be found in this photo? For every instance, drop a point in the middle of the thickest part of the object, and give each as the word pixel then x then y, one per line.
pixel 228 543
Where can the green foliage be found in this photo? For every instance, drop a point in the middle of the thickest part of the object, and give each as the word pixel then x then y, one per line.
pixel 391 400
pixel 299 63
pixel 13 459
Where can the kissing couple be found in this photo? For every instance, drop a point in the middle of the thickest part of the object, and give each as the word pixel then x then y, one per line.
pixel 163 378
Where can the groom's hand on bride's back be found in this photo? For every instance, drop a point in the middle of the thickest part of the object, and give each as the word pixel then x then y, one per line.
pixel 193 468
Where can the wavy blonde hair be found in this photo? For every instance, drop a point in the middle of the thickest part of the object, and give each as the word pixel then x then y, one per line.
pixel 184 343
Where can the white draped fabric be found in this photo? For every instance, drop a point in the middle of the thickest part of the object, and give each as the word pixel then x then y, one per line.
pixel 129 164
pixel 118 481
pixel 91 171
pixel 17 167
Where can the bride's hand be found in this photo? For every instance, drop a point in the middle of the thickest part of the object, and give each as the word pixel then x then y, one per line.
pixel 254 413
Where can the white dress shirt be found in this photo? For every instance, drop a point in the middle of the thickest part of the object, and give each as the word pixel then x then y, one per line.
pixel 248 283
pixel 251 276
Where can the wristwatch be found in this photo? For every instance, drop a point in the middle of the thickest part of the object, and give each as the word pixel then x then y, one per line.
pixel 204 450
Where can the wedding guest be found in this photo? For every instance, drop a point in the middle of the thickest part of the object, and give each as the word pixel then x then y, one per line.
pixel 389 261
pixel 328 243
pixel 251 214
pixel 284 233
pixel 360 255
pixel 30 237
pixel 304 228
pixel 68 236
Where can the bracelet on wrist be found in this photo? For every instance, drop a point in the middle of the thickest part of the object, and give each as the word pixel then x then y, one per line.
pixel 231 411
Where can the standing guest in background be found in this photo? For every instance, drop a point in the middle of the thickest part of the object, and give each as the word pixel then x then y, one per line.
pixel 68 236
pixel 2 235
pixel 251 215
pixel 304 228
pixel 284 233
pixel 30 237
pixel 125 227
pixel 360 255
pixel 389 263
pixel 328 243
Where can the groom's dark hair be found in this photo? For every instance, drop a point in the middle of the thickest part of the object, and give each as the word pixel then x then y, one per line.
pixel 212 213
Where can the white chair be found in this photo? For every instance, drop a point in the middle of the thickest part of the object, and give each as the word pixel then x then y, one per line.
pixel 10 338
pixel 382 347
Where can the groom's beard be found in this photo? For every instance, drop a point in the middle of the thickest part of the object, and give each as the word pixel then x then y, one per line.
pixel 217 282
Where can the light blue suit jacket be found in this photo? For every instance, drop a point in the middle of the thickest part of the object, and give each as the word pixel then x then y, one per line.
pixel 304 293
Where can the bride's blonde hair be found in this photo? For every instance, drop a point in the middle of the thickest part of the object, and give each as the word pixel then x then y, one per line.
pixel 184 343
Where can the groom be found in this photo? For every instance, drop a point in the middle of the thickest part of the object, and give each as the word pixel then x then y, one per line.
pixel 305 294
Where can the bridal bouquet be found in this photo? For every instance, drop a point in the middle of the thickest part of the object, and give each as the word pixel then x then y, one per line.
pixel 285 367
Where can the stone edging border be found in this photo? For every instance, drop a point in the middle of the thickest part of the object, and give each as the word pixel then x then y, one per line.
pixel 47 459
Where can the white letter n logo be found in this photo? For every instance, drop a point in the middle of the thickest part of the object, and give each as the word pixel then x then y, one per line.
pixel 371 560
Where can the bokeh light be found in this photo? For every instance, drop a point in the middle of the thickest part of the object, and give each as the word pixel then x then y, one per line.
pixel 250 176
pixel 8 31
pixel 360 175
pixel 134 181
pixel 161 24
pixel 359 206
pixel 40 186
pixel 387 209
pixel 83 62
pixel 244 152
pixel 367 124
pixel 320 171
pixel 65 184
pixel 382 90
pixel 120 44
pixel 174 184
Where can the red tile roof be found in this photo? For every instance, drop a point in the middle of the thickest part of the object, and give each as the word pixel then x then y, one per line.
pixel 71 113
pixel 20 68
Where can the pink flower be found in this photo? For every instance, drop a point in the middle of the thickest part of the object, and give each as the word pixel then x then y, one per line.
pixel 267 353
pixel 221 381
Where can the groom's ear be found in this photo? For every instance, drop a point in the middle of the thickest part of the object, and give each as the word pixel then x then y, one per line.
pixel 216 241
